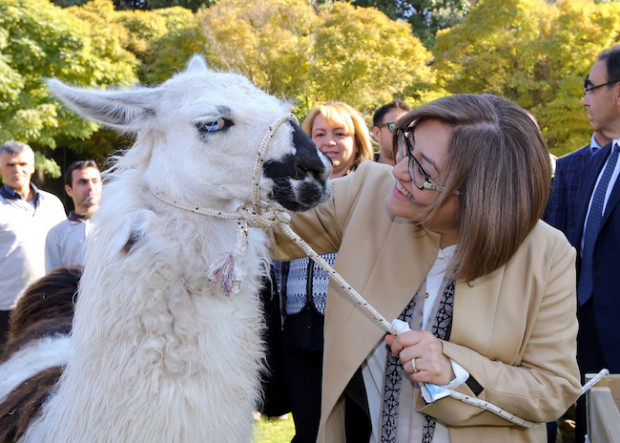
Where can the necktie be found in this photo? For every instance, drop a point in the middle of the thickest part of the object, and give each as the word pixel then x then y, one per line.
pixel 593 226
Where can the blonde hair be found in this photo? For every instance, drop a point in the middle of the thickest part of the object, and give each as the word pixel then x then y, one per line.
pixel 499 162
pixel 354 124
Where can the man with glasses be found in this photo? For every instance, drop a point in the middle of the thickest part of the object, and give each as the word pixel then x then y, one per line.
pixel 597 230
pixel 383 122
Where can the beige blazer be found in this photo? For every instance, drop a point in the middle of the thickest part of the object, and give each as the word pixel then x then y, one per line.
pixel 514 330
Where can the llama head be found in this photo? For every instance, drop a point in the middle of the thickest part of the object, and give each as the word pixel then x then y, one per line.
pixel 199 135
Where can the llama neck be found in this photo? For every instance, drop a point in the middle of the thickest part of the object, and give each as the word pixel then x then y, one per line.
pixel 149 325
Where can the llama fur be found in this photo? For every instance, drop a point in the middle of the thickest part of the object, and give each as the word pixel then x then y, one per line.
pixel 159 352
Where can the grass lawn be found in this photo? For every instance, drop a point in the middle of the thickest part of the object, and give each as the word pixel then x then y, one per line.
pixel 274 431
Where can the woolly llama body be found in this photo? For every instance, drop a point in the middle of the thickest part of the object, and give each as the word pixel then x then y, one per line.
pixel 166 336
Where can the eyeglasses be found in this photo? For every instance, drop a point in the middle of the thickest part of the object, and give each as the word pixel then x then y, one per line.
pixel 390 126
pixel 588 89
pixel 416 171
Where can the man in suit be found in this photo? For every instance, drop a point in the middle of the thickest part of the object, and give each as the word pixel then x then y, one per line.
pixel 596 233
pixel 567 182
pixel 562 206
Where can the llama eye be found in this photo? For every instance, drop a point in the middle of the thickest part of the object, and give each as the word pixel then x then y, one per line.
pixel 214 126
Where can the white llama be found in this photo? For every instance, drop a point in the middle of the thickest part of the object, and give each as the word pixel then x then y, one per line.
pixel 166 343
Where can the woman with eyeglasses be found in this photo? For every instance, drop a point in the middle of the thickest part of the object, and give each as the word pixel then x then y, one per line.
pixel 449 240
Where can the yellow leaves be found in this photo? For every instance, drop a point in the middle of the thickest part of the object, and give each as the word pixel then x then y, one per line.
pixel 372 58
pixel 533 52
pixel 342 52
pixel 269 41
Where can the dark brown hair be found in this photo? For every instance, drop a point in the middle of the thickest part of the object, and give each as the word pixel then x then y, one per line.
pixel 52 296
pixel 80 164
pixel 499 162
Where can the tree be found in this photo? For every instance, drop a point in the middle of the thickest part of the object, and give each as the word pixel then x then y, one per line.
pixel 269 41
pixel 38 40
pixel 426 17
pixel 163 40
pixel 532 52
pixel 582 30
pixel 157 43
pixel 364 58
pixel 337 52
pixel 143 5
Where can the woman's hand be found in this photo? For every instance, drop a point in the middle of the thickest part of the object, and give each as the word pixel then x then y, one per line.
pixel 430 365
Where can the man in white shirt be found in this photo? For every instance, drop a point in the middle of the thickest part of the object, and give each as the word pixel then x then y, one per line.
pixel 26 216
pixel 65 241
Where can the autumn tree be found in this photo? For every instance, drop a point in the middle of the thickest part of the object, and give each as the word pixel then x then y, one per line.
pixel 532 52
pixel 426 17
pixel 336 52
pixel 362 57
pixel 163 40
pixel 582 30
pixel 39 40
pixel 269 41
pixel 158 43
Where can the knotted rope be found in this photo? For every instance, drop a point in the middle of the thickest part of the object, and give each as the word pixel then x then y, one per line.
pixel 229 275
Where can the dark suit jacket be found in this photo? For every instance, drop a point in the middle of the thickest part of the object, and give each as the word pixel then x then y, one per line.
pixel 562 206
pixel 606 262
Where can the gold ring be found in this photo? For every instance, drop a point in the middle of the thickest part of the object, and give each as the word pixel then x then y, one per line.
pixel 413 365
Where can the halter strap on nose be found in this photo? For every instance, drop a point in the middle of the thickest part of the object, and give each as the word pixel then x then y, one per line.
pixel 260 159
pixel 225 272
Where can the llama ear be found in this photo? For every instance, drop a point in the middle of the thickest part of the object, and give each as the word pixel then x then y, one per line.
pixel 196 65
pixel 122 110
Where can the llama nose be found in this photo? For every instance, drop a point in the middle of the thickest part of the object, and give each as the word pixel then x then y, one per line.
pixel 308 157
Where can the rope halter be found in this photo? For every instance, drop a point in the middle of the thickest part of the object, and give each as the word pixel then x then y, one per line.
pixel 225 271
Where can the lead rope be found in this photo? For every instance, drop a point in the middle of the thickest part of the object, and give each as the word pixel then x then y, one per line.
pixel 363 304
pixel 229 276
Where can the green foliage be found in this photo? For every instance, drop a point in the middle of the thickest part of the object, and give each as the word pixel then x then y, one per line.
pixel 341 52
pixel 157 43
pixel 426 17
pixel 532 52
pixel 47 165
pixel 39 40
pixel 365 59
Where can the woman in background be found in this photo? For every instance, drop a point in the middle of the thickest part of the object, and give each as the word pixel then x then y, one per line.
pixel 340 132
